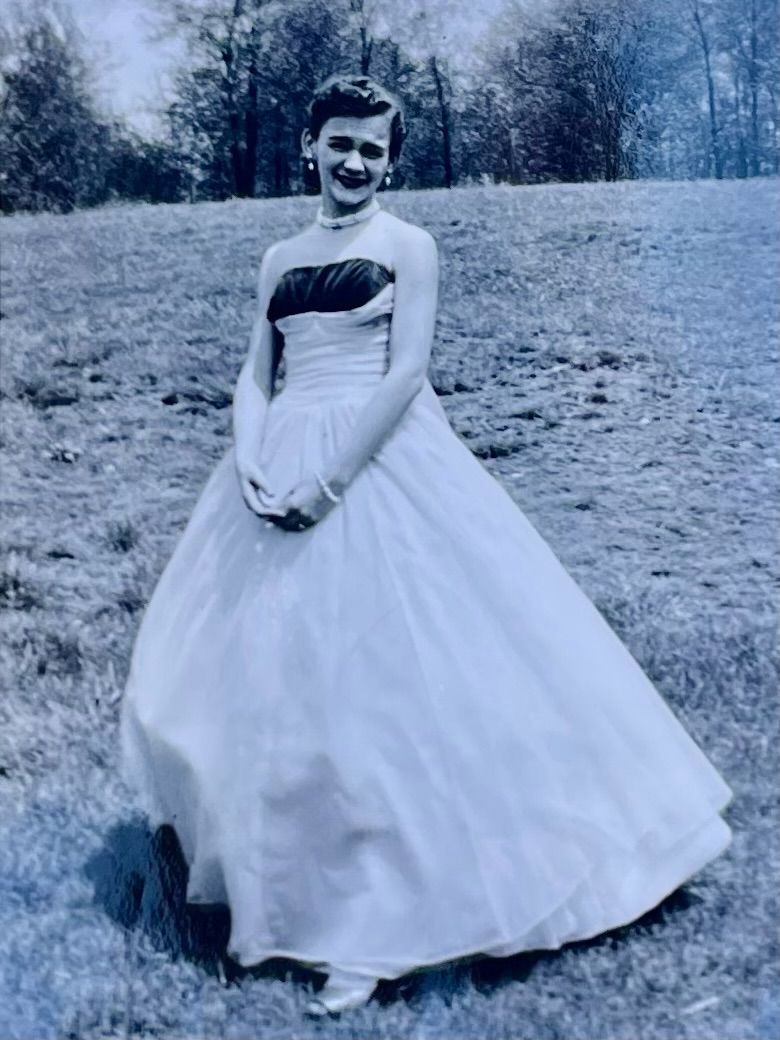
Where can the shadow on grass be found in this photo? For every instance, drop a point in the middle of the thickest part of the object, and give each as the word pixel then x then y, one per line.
pixel 490 973
pixel 140 881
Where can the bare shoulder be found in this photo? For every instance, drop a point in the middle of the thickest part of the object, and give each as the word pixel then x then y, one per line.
pixel 278 256
pixel 413 248
pixel 408 236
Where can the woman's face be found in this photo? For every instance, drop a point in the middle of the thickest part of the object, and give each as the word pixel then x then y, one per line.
pixel 353 155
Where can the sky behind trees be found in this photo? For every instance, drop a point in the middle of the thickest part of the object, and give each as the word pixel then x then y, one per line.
pixel 133 70
pixel 132 66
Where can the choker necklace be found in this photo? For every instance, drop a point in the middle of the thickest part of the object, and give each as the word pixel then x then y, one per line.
pixel 351 218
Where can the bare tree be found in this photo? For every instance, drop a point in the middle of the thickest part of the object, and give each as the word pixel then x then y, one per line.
pixel 251 68
pixel 224 34
pixel 364 13
pixel 424 28
pixel 699 11
pixel 748 31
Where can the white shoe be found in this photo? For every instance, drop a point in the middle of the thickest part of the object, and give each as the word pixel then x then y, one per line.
pixel 342 991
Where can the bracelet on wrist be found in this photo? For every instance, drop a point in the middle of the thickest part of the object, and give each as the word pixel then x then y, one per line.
pixel 327 491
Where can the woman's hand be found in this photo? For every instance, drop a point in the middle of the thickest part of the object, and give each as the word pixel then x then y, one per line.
pixel 255 488
pixel 303 506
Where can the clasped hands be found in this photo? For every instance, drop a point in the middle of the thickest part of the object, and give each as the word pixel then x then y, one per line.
pixel 302 507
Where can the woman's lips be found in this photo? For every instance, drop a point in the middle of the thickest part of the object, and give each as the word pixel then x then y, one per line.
pixel 350 182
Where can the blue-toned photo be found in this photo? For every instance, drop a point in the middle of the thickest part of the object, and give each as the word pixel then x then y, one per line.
pixel 389 429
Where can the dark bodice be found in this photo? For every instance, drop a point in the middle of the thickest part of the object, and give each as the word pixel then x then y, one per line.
pixel 341 286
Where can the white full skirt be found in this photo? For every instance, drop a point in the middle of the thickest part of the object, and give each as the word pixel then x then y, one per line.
pixel 404 735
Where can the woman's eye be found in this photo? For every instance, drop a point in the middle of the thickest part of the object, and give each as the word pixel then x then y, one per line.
pixel 372 153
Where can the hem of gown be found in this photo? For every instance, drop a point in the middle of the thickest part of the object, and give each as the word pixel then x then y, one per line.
pixel 709 842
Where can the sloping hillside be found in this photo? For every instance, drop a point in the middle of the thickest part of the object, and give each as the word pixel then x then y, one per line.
pixel 610 352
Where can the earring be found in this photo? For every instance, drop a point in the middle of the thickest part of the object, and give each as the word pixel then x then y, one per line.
pixel 388 179
pixel 311 175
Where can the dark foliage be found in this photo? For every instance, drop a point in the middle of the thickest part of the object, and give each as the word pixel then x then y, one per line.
pixel 582 91
pixel 53 148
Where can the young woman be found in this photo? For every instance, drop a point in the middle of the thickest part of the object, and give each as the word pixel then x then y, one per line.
pixel 388 727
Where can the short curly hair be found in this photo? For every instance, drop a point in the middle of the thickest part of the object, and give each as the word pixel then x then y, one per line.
pixel 344 95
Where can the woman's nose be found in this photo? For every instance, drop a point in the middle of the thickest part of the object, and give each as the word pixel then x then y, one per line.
pixel 354 161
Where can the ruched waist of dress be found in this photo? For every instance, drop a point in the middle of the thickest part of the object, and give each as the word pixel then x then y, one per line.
pixel 334 356
pixel 324 373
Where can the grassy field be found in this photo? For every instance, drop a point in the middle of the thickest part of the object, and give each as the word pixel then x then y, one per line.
pixel 610 352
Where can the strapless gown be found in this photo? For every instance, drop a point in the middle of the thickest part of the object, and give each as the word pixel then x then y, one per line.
pixel 404 735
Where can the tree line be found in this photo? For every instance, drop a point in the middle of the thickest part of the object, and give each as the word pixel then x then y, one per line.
pixel 578 90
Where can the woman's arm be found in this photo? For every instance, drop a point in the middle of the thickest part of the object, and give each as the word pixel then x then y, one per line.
pixel 254 387
pixel 411 338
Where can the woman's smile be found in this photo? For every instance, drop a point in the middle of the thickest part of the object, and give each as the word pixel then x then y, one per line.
pixel 353 156
pixel 350 180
